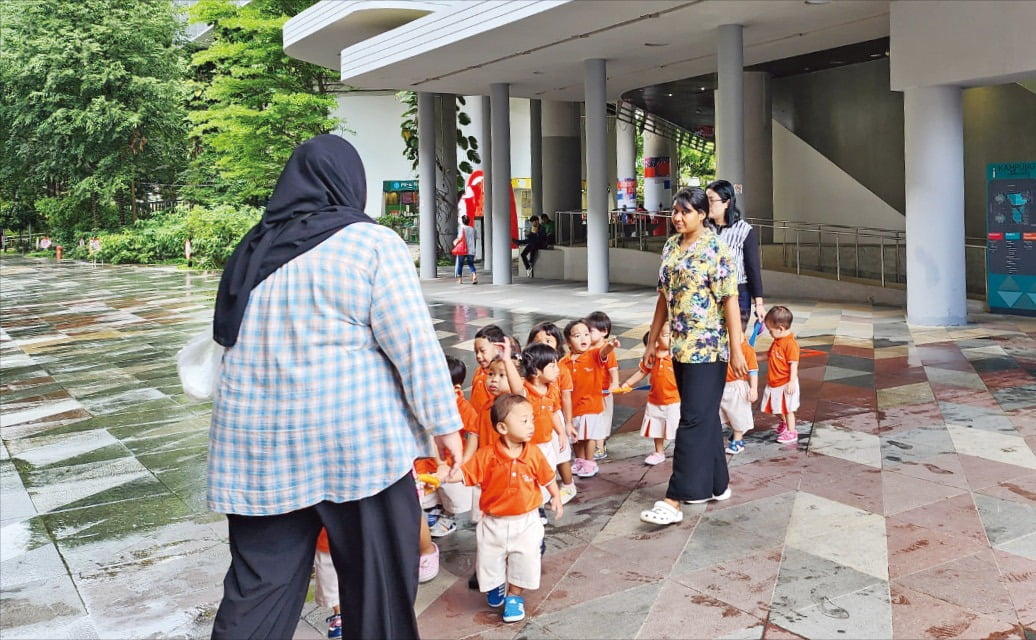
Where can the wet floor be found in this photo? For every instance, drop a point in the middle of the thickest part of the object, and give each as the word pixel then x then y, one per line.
pixel 907 509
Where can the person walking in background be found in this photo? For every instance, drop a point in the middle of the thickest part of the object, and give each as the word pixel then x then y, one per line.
pixel 781 396
pixel 466 233
pixel 331 385
pixel 743 242
pixel 697 295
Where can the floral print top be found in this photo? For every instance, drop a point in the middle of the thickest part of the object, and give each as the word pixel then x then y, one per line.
pixel 695 282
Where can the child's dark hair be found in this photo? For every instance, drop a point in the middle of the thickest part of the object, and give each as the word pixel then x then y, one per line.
pixel 536 357
pixel 492 333
pixel 599 320
pixel 572 325
pixel 458 370
pixel 503 405
pixel 551 330
pixel 779 316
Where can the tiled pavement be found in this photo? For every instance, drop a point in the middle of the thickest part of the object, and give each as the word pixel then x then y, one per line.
pixel 907 510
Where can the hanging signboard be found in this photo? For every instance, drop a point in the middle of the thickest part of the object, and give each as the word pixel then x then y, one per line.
pixel 1011 238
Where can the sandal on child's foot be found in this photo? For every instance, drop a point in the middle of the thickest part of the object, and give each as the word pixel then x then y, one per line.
pixel 661 513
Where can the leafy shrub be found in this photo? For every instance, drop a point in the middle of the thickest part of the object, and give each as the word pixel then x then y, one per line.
pixel 396 222
pixel 214 232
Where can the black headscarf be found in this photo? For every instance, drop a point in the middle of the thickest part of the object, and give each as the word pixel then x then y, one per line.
pixel 322 189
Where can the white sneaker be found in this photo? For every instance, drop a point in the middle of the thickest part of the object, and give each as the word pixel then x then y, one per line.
pixel 568 491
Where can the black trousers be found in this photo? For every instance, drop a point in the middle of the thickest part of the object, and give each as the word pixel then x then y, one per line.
pixel 699 463
pixel 374 546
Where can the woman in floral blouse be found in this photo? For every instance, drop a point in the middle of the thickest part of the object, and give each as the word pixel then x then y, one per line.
pixel 697 295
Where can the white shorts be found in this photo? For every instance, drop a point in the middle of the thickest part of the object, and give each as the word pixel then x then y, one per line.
pixel 326 591
pixel 476 511
pixel 455 497
pixel 608 413
pixel 509 551
pixel 591 427
pixel 777 400
pixel 550 452
pixel 660 421
pixel 566 455
pixel 735 409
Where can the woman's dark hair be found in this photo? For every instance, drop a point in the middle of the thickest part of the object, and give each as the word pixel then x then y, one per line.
pixel 464 219
pixel 535 357
pixel 458 370
pixel 725 191
pixel 693 199
pixel 552 330
pixel 492 333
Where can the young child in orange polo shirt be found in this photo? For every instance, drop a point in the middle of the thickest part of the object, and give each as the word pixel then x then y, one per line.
pixel 509 534
pixel 662 412
pixel 781 395
pixel 589 368
pixel 600 331
pixel 551 335
pixel 735 408
pixel 540 366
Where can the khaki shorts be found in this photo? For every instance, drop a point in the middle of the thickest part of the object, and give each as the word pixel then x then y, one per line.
pixel 660 421
pixel 777 400
pixel 550 452
pixel 509 551
pixel 326 592
pixel 734 408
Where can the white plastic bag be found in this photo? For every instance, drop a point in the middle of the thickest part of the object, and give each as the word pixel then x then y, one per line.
pixel 198 366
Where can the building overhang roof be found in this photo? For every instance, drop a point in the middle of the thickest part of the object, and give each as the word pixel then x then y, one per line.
pixel 538 46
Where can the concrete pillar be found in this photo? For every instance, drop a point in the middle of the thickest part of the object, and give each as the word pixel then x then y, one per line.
pixel 658 189
pixel 500 117
pixel 561 159
pixel 934 153
pixel 446 144
pixel 758 147
pixel 730 110
pixel 595 81
pixel 487 183
pixel 625 161
pixel 426 181
pixel 536 151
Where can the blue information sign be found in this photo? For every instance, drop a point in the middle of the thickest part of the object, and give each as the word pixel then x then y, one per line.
pixel 1011 238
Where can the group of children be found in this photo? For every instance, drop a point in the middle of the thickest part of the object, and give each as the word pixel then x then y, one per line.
pixel 556 394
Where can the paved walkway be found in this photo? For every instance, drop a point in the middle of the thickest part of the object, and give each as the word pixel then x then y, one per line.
pixel 907 510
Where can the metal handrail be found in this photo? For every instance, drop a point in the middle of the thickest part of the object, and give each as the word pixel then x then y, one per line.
pixel 869 246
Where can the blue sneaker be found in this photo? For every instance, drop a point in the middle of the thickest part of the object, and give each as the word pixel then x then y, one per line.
pixel 334 626
pixel 514 609
pixel 736 446
pixel 496 597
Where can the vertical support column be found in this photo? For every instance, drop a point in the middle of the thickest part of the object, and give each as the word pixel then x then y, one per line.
pixel 501 123
pixel 758 149
pixel 536 151
pixel 658 187
pixel 561 162
pixel 730 106
pixel 487 184
pixel 625 164
pixel 595 81
pixel 426 181
pixel 934 153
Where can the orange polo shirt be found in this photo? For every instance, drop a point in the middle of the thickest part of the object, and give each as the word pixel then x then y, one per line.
pixel 782 353
pixel 479 393
pixel 663 381
pixel 564 380
pixel 543 408
pixel 750 358
pixel 510 486
pixel 468 414
pixel 588 375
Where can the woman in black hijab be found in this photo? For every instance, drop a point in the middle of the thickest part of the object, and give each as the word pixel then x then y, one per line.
pixel 333 382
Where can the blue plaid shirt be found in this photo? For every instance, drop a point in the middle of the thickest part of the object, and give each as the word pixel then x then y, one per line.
pixel 336 382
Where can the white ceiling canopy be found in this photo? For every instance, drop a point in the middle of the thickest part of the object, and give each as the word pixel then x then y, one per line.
pixel 538 46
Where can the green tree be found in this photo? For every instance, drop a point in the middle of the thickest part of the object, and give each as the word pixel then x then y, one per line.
pixel 91 111
pixel 251 104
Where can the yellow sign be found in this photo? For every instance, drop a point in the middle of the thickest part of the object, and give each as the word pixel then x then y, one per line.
pixel 521 183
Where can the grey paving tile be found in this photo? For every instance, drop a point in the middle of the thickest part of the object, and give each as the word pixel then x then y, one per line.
pixel 616 616
pixel 1005 520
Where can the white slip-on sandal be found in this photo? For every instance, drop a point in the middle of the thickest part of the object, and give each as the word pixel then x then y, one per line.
pixel 661 513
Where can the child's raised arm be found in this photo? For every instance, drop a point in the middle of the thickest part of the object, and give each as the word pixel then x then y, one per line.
pixel 608 347
pixel 514 379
